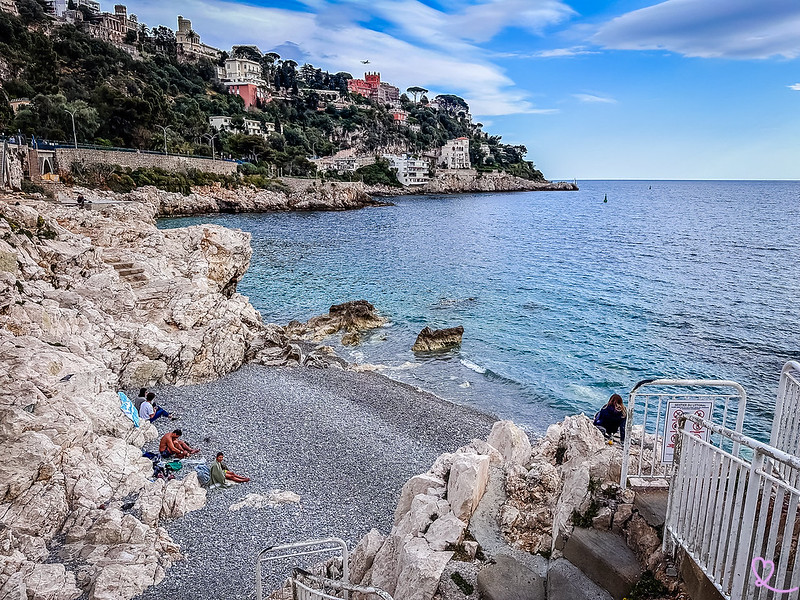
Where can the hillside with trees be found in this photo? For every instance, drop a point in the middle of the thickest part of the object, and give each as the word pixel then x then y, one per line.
pixel 135 102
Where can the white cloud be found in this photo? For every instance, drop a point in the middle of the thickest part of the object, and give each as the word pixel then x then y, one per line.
pixel 739 29
pixel 795 87
pixel 592 98
pixel 333 38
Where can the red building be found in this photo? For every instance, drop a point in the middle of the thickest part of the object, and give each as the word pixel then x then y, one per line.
pixel 249 92
pixel 372 88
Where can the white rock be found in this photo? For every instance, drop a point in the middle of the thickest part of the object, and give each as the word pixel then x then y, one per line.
pixel 469 474
pixel 420 568
pixel 363 555
pixel 419 484
pixel 444 531
pixel 511 441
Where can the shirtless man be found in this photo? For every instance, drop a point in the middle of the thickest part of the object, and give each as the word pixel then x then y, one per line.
pixel 171 446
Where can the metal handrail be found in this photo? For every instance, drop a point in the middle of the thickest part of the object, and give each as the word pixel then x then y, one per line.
pixel 664 382
pixel 300 574
pixel 336 542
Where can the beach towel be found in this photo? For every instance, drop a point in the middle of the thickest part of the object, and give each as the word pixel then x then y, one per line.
pixel 127 407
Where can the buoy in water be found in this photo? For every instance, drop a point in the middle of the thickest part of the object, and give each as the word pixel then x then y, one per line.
pixel 605 198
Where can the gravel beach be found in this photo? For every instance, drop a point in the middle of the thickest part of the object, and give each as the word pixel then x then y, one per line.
pixel 345 442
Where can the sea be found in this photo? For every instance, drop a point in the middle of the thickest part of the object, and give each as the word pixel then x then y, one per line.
pixel 565 297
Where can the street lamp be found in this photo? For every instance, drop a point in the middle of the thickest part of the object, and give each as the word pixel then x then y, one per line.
pixel 74 135
pixel 211 141
pixel 165 136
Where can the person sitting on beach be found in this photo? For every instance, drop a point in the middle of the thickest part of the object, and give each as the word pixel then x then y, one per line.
pixel 612 418
pixel 171 446
pixel 150 410
pixel 140 398
pixel 220 474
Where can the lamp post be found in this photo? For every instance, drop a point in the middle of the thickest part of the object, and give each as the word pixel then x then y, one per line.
pixel 74 135
pixel 165 136
pixel 211 141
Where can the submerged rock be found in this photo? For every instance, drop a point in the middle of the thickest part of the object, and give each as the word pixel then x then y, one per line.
pixel 431 340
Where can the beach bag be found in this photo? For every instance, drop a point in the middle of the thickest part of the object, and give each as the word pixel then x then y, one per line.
pixel 203 474
pixel 174 465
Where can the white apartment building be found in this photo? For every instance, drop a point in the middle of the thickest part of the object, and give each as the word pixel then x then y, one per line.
pixel 251 127
pixel 455 154
pixel 411 171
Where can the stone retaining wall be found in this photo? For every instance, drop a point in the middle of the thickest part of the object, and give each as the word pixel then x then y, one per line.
pixel 65 157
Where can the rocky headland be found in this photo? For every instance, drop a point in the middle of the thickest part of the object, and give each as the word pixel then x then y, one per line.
pixel 465 181
pixel 92 301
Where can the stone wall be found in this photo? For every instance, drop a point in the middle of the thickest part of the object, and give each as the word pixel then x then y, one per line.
pixel 65 157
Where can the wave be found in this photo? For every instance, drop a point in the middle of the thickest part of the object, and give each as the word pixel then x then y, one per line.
pixel 472 366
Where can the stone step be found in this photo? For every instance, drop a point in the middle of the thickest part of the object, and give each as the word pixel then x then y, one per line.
pixel 119 265
pixel 652 505
pixel 130 271
pixel 509 579
pixel 605 558
pixel 565 581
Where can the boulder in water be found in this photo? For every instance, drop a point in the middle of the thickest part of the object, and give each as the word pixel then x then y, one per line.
pixel 431 340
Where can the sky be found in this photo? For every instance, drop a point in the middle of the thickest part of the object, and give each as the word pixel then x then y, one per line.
pixel 627 89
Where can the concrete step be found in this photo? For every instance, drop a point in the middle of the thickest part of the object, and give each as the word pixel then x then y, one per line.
pixel 509 579
pixel 652 505
pixel 565 581
pixel 605 558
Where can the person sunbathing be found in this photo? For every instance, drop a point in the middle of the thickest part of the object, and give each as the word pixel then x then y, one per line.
pixel 220 474
pixel 171 446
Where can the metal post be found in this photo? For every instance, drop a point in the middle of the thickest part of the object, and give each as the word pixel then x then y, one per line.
pixel 165 137
pixel 748 518
pixel 74 135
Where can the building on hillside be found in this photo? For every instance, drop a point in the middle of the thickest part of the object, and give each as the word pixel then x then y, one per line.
pixel 189 45
pixel 114 28
pixel 17 103
pixel 400 116
pixel 243 77
pixel 92 5
pixel 56 7
pixel 344 161
pixel 411 171
pixel 9 6
pixel 249 127
pixel 371 87
pixel 455 154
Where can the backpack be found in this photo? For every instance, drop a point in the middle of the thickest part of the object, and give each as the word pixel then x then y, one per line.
pixel 203 474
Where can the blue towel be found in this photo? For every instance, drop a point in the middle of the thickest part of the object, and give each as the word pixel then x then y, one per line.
pixel 128 408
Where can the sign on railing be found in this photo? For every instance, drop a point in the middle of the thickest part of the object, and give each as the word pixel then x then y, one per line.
pixel 654 407
pixel 737 518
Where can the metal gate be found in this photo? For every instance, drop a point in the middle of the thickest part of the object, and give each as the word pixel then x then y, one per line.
pixel 290 582
pixel 786 425
pixel 651 433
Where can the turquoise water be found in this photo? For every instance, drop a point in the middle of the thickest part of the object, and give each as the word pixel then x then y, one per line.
pixel 564 298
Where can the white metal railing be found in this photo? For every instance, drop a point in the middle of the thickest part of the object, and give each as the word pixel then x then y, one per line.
pixel 786 424
pixel 735 513
pixel 654 406
pixel 306 586
pixel 283 558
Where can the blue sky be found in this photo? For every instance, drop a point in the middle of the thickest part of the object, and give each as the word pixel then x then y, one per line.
pixel 681 89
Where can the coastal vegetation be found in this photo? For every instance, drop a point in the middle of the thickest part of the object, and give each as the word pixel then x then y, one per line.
pixel 154 100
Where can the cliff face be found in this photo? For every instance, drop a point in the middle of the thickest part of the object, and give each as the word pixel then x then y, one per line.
pixel 300 195
pixel 464 181
pixel 91 301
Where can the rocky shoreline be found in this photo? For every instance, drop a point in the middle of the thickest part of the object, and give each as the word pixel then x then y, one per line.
pixel 98 300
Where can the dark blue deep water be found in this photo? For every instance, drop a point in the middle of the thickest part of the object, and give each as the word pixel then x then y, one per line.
pixel 564 298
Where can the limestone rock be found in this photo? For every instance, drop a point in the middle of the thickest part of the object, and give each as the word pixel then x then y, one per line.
pixel 469 475
pixel 419 484
pixel 50 582
pixel 352 317
pixel 420 568
pixel 445 531
pixel 432 340
pixel 364 555
pixel 511 441
pixel 508 579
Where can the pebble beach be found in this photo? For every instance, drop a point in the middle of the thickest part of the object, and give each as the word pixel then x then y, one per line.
pixel 345 442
